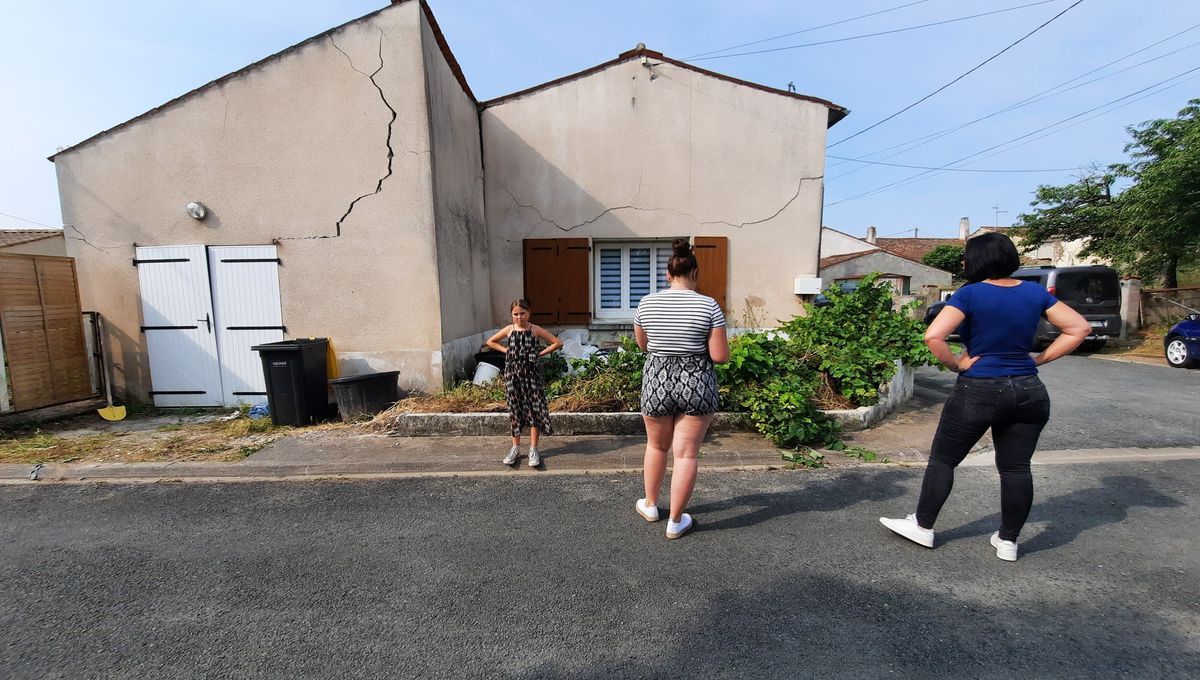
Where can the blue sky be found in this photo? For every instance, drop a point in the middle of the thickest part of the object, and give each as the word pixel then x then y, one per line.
pixel 69 69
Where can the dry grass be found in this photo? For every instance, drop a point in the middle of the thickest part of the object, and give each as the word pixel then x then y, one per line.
pixel 210 440
pixel 1147 342
pixel 828 398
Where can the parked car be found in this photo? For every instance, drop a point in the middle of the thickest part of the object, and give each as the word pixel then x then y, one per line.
pixel 1182 344
pixel 931 314
pixel 845 286
pixel 1094 291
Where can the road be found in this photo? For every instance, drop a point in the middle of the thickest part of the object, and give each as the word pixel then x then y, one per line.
pixel 788 575
pixel 1100 404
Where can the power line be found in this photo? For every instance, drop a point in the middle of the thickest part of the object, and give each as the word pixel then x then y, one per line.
pixel 806 30
pixel 29 221
pixel 916 143
pixel 873 35
pixel 964 75
pixel 926 167
pixel 949 166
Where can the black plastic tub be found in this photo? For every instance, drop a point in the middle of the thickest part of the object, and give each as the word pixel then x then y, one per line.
pixel 361 397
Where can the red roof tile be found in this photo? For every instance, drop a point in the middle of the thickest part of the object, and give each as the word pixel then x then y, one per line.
pixel 15 237
pixel 914 248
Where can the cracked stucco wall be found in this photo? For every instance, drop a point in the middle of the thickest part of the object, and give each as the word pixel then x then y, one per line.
pixel 637 152
pixel 461 234
pixel 323 148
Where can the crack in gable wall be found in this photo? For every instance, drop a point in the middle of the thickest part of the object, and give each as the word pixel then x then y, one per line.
pixel 391 153
pixel 738 225
pixel 83 239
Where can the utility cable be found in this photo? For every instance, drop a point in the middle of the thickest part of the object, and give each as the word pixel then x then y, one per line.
pixel 873 35
pixel 807 30
pixel 29 221
pixel 950 165
pixel 926 167
pixel 918 142
pixel 964 75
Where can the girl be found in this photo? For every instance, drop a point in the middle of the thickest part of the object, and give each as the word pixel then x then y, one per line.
pixel 523 379
pixel 683 334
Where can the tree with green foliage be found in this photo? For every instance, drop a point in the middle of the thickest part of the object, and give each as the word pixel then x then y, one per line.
pixel 1152 227
pixel 946 257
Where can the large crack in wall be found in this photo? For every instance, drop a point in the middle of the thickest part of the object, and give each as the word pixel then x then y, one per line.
pixel 736 225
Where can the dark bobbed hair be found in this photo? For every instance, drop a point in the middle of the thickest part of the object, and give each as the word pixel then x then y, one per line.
pixel 990 255
pixel 519 302
pixel 683 260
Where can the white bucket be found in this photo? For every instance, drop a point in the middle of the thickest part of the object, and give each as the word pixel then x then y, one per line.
pixel 485 373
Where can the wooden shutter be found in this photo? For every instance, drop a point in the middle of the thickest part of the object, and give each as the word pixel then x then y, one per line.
pixel 541 279
pixel 712 255
pixel 43 330
pixel 573 262
pixel 556 280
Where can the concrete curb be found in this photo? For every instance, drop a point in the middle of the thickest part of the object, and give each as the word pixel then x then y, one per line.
pixel 565 424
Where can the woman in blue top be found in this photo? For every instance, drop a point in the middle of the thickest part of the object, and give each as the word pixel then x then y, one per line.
pixel 997 388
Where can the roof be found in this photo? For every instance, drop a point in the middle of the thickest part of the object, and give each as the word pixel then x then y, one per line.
pixel 846 257
pixel 437 32
pixel 15 237
pixel 836 113
pixel 914 248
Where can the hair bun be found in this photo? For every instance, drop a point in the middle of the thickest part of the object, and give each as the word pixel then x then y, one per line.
pixel 681 247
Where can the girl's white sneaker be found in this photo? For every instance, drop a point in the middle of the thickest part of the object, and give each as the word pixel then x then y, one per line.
pixel 512 456
pixel 677 529
pixel 647 511
pixel 1005 550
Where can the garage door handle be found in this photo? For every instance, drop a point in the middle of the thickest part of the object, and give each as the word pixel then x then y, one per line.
pixel 207 322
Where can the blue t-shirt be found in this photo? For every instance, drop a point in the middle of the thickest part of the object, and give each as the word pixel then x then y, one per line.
pixel 1000 325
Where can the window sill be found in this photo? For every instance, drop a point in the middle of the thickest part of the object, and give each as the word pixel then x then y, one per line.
pixel 611 325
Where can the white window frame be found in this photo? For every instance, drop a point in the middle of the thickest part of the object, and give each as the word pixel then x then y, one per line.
pixel 626 312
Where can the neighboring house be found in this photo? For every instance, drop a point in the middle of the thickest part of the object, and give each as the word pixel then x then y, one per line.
pixel 351 186
pixel 1056 252
pixel 33 241
pixel 839 263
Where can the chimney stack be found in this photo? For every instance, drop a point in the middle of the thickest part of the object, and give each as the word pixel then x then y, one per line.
pixel 964 228
pixel 871 235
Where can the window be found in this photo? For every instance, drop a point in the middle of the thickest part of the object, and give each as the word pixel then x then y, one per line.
pixel 625 272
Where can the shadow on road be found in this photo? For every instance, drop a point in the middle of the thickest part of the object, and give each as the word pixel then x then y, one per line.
pixel 827 495
pixel 1071 514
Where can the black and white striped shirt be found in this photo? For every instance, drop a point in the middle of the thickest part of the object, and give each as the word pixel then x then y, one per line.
pixel 677 321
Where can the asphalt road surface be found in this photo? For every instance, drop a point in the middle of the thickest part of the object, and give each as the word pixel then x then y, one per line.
pixel 1101 404
pixel 788 575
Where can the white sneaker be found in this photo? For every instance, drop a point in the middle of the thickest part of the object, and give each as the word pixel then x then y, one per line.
pixel 909 529
pixel 512 456
pixel 535 458
pixel 647 511
pixel 677 529
pixel 1005 550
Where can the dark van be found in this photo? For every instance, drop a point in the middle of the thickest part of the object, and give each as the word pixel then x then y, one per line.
pixel 1094 291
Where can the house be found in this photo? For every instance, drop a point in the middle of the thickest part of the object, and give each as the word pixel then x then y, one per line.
pixel 846 258
pixel 353 187
pixel 33 241
pixel 1056 252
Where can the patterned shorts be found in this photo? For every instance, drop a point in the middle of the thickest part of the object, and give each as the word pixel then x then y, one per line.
pixel 673 385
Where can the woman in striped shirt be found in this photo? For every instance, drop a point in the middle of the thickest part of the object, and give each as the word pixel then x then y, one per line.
pixel 683 334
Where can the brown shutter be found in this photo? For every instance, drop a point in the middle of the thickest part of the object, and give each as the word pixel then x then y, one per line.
pixel 542 279
pixel 573 263
pixel 712 254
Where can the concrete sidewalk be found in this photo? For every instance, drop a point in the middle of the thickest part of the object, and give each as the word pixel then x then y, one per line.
pixel 318 455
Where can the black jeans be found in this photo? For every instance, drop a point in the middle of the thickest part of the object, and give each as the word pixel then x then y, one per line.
pixel 1016 408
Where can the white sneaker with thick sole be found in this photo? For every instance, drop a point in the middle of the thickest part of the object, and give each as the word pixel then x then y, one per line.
pixel 513 454
pixel 535 458
pixel 677 529
pixel 1005 550
pixel 647 511
pixel 909 529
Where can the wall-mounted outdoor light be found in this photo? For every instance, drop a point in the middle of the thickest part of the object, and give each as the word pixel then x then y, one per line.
pixel 196 210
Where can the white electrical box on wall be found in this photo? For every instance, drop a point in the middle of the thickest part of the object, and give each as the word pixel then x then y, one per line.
pixel 807 285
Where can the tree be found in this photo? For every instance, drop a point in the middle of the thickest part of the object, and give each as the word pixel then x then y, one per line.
pixel 945 257
pixel 1152 227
